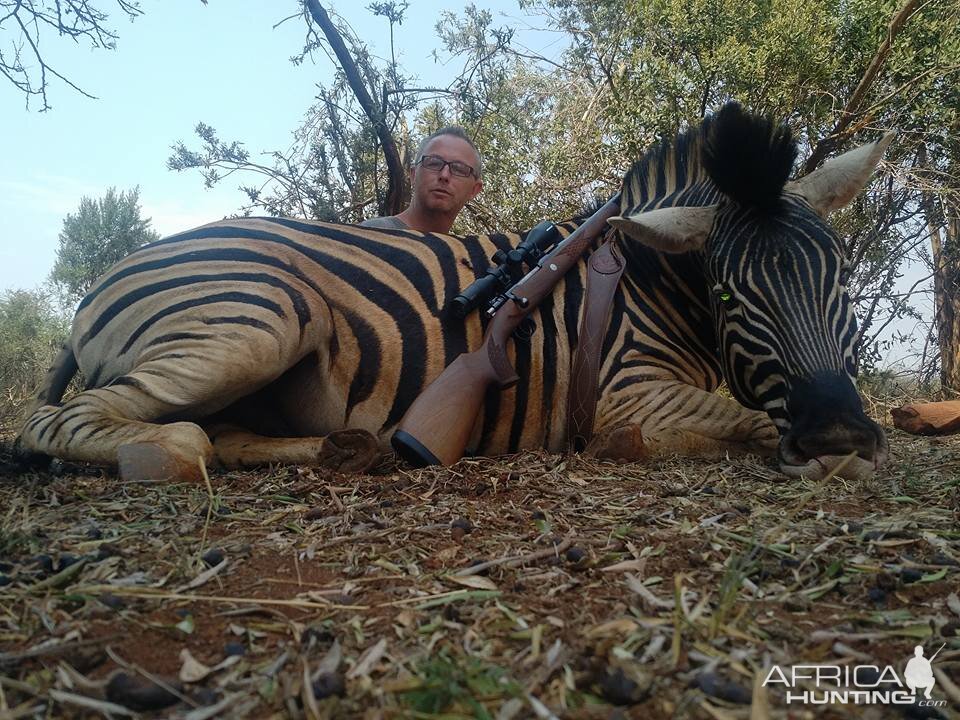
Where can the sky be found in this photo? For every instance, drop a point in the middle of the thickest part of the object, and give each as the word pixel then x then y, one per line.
pixel 180 63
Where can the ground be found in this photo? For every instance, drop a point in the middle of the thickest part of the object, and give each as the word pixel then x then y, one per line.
pixel 532 586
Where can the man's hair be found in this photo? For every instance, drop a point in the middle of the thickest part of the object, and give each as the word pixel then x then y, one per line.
pixel 455 131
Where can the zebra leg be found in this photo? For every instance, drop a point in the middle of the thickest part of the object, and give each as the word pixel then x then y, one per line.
pixel 343 450
pixel 675 418
pixel 106 426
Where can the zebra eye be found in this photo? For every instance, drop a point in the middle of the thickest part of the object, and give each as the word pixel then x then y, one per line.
pixel 723 295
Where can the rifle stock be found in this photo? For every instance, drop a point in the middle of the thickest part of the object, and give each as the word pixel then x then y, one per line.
pixel 436 428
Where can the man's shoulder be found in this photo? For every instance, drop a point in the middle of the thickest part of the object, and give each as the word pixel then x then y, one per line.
pixel 389 222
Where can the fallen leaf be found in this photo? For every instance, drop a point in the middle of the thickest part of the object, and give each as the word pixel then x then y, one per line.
pixel 192 669
pixel 369 658
pixel 477 582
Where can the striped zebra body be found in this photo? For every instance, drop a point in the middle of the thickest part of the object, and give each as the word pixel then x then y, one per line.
pixel 316 337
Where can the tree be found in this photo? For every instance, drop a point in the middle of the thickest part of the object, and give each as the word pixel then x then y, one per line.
pixel 100 234
pixel 31 333
pixel 29 23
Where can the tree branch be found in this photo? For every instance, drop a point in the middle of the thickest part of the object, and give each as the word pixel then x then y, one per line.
pixel 395 173
pixel 852 109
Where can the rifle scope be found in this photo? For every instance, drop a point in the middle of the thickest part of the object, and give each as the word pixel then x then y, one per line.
pixel 507 269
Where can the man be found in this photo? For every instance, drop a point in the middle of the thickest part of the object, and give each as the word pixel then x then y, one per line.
pixel 445 177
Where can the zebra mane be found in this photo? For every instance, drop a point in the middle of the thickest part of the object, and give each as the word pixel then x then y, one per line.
pixel 744 156
pixel 748 157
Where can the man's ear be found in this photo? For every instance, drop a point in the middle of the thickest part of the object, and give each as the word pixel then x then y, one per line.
pixel 840 180
pixel 477 187
pixel 670 230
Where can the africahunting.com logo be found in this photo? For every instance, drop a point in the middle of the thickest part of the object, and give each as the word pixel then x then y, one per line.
pixel 858 684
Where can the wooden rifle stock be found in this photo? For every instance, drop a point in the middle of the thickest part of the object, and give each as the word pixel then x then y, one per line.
pixel 436 428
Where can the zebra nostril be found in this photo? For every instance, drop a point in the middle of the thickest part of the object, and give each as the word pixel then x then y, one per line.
pixel 837 440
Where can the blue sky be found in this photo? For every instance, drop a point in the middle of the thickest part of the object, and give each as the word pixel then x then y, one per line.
pixel 180 63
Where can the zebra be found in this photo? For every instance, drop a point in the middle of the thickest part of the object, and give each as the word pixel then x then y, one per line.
pixel 275 340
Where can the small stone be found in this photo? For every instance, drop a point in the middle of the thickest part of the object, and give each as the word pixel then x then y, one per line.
pixel 719 687
pixel 797 603
pixel 213 556
pixel 877 595
pixel 575 554
pixel 315 513
pixel 138 694
pixel 886 581
pixel 5 567
pixel 182 612
pixel 107 550
pixel 94 533
pixel 619 689
pixel 790 562
pixel 234 648
pixel 204 696
pixel 708 490
pixel 316 636
pixel 941 559
pixel 44 563
pixel 112 601
pixel 951 629
pixel 329 684
pixel 66 560
pixel 538 515
pixel 5 580
pixel 910 575
pixel 463 524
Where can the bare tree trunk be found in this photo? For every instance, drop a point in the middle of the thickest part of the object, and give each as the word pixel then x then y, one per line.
pixel 395 174
pixel 946 287
pixel 946 259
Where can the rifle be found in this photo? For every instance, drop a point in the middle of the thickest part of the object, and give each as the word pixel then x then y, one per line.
pixel 436 428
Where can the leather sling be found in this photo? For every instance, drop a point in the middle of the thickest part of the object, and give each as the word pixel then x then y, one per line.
pixel 604 268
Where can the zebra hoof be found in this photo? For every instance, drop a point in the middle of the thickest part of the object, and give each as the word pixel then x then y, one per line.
pixel 152 462
pixel 349 451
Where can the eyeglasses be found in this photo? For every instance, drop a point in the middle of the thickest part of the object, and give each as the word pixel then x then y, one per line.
pixel 435 163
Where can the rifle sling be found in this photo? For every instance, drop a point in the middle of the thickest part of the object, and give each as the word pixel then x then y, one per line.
pixel 604 268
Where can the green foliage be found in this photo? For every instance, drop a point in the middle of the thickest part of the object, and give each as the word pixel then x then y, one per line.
pixel 448 683
pixel 100 234
pixel 31 334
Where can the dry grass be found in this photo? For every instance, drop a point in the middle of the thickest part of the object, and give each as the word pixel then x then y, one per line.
pixel 606 591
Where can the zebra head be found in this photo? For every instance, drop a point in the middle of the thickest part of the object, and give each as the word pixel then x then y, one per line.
pixel 777 275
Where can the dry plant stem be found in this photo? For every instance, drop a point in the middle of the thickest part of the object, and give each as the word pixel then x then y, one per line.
pixel 7 658
pixel 161 595
pixel 518 559
pixel 206 524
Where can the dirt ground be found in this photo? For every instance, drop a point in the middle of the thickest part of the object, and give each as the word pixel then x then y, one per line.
pixel 533 586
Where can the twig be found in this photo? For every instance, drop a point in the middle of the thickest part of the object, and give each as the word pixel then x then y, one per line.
pixel 518 559
pixel 6 658
pixel 160 595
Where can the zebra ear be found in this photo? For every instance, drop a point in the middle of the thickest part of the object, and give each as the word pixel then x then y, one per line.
pixel 670 230
pixel 840 180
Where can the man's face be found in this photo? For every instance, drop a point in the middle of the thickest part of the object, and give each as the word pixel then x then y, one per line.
pixel 443 191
